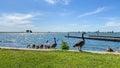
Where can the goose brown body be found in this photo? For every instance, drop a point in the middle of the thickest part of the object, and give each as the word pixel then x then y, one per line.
pixel 80 43
pixel 54 44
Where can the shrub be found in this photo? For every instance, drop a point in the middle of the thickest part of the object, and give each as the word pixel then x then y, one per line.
pixel 64 45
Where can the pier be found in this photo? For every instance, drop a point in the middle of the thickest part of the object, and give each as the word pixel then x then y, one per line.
pixel 104 38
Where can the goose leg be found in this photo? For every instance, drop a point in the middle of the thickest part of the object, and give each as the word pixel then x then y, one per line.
pixel 78 48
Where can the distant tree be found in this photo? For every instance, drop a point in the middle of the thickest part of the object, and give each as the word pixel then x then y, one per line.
pixel 30 31
pixel 27 31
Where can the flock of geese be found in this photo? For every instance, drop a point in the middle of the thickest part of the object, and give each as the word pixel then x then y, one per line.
pixel 47 45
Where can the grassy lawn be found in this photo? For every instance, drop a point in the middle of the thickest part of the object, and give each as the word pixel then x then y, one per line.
pixel 56 59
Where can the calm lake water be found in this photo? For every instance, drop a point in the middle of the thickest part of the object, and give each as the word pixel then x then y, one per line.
pixel 21 40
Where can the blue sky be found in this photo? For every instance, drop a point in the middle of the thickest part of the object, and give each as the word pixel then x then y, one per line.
pixel 60 15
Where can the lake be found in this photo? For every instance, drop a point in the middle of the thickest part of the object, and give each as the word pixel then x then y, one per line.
pixel 21 40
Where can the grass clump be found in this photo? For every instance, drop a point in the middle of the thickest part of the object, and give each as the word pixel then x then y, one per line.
pixel 64 45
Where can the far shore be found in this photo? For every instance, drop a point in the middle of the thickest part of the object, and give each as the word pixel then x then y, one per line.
pixel 41 32
pixel 54 32
pixel 99 52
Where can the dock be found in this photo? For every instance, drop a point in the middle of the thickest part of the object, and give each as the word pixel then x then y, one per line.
pixel 104 38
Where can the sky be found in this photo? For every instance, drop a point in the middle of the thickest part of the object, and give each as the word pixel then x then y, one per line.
pixel 60 15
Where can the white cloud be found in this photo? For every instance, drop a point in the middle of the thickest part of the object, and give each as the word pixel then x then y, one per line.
pixel 16 21
pixel 112 24
pixel 51 1
pixel 98 10
pixel 18 16
pixel 65 2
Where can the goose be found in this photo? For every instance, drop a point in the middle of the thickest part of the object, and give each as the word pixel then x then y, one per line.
pixel 80 43
pixel 54 44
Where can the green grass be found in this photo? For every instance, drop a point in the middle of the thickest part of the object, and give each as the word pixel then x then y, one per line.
pixel 56 59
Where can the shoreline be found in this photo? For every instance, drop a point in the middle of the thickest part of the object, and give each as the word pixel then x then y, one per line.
pixel 98 52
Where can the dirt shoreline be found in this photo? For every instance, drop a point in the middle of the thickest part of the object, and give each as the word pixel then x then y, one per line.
pixel 99 52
